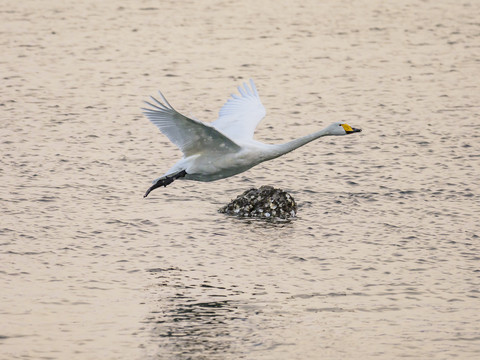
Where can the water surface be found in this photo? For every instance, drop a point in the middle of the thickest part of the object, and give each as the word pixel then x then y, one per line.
pixel 382 261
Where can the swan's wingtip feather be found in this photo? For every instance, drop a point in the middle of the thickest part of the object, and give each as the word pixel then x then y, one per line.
pixel 241 91
pixel 157 105
pixel 166 103
pixel 247 89
pixel 254 88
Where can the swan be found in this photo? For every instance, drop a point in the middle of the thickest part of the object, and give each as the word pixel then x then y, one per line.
pixel 225 147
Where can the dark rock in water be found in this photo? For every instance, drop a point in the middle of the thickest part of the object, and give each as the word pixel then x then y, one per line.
pixel 265 203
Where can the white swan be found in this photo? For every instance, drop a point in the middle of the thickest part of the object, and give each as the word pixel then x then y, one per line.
pixel 224 147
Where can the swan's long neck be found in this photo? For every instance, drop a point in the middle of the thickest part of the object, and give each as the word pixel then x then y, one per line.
pixel 281 149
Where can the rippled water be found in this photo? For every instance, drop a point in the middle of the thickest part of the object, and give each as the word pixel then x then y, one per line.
pixel 383 258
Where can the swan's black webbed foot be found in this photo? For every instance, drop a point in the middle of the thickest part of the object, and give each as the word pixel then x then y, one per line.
pixel 167 180
pixel 164 182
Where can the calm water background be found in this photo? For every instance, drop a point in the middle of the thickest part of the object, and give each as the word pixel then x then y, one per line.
pixel 383 259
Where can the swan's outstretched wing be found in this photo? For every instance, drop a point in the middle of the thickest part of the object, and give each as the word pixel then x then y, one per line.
pixel 240 115
pixel 191 136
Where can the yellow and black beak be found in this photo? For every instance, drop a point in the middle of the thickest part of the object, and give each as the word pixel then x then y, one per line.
pixel 349 129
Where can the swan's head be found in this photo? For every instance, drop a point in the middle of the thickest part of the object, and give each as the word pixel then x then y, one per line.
pixel 340 128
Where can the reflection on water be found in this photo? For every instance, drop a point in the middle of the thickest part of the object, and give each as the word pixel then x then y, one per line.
pixel 187 328
pixel 197 328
